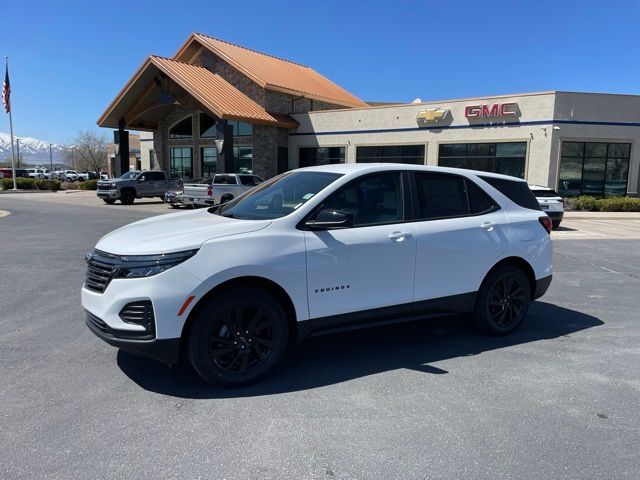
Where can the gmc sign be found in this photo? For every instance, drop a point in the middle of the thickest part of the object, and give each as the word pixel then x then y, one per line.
pixel 509 109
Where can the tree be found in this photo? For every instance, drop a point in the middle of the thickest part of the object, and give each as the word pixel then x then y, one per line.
pixel 88 152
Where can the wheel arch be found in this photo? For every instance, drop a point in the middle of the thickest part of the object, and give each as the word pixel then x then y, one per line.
pixel 245 281
pixel 520 263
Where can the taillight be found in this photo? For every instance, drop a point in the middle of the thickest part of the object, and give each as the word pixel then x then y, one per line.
pixel 546 223
pixel 210 190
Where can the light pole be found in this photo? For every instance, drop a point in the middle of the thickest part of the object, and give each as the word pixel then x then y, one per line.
pixel 50 160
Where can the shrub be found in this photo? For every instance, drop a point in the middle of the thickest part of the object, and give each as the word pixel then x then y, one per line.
pixel 53 185
pixel 21 183
pixel 584 202
pixel 618 204
pixel 88 185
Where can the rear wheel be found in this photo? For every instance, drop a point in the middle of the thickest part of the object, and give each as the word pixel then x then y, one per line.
pixel 127 197
pixel 503 301
pixel 109 201
pixel 238 337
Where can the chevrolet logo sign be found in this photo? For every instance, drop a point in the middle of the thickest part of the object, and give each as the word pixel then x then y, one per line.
pixel 432 114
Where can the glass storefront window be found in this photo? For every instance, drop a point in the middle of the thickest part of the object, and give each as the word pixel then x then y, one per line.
pixel 181 162
pixel 409 154
pixel 183 129
pixel 507 158
pixel 209 160
pixel 311 156
pixel 243 159
pixel 241 129
pixel 207 126
pixel 594 168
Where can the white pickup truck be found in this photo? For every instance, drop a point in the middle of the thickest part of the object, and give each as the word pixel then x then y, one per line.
pixel 212 190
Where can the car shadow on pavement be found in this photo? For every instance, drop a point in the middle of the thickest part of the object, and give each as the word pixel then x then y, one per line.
pixel 337 358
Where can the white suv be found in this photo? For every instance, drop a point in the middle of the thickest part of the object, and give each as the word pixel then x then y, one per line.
pixel 314 251
pixel 551 203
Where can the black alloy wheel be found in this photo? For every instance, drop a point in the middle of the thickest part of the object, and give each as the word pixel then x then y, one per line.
pixel 127 197
pixel 237 337
pixel 503 301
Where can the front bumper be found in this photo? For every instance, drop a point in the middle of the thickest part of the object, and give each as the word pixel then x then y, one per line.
pixel 107 193
pixel 163 350
pixel 542 285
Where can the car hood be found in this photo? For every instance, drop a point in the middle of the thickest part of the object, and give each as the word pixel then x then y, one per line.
pixel 174 232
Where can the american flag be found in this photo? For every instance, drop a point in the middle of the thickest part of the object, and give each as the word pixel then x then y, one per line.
pixel 6 91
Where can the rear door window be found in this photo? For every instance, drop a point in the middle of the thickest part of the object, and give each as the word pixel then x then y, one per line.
pixel 479 201
pixel 225 179
pixel 441 196
pixel 518 192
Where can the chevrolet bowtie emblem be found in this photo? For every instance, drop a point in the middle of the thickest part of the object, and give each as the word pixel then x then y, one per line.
pixel 432 114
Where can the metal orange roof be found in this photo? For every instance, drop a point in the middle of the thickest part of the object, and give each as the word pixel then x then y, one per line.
pixel 211 90
pixel 275 73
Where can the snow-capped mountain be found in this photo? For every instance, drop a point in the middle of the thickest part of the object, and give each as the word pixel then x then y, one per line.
pixel 32 150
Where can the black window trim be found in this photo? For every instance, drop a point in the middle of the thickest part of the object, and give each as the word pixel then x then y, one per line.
pixel 418 208
pixel 407 199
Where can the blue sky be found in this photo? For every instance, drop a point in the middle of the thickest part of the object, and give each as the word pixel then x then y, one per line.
pixel 69 59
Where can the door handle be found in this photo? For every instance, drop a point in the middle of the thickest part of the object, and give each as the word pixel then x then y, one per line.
pixel 398 236
pixel 488 226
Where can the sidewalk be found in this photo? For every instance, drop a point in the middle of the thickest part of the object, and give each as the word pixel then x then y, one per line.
pixel 601 215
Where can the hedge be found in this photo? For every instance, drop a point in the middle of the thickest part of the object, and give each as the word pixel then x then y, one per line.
pixel 31 184
pixel 612 204
pixel 88 185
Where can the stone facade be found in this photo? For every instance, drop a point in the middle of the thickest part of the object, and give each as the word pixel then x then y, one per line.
pixel 266 141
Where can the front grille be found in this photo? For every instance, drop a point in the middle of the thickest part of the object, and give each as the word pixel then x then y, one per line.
pixel 107 331
pixel 139 313
pixel 104 187
pixel 101 267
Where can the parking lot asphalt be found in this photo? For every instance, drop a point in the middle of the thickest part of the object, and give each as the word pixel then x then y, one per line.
pixel 434 399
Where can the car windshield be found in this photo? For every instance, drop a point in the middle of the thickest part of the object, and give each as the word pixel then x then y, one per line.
pixel 277 197
pixel 132 175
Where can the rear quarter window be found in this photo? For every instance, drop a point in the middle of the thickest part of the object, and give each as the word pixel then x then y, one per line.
pixel 518 192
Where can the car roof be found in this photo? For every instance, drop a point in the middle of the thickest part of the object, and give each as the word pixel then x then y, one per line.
pixel 354 168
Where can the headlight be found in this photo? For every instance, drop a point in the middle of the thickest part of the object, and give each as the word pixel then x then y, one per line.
pixel 137 266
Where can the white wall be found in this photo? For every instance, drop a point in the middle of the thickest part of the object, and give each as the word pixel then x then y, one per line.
pixel 146 145
pixel 542 139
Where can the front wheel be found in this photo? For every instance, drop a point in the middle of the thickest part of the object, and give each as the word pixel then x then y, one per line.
pixel 127 197
pixel 237 337
pixel 503 301
pixel 109 201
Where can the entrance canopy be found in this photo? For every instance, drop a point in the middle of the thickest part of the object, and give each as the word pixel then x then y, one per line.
pixel 147 97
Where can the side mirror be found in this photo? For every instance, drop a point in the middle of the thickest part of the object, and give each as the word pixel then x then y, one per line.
pixel 141 178
pixel 328 219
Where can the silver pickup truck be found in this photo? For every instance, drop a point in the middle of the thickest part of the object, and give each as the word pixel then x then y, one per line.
pixel 212 190
pixel 133 184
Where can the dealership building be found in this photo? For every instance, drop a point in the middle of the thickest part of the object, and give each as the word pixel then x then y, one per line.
pixel 218 107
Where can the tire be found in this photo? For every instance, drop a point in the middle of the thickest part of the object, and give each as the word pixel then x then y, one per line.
pixel 222 356
pixel 227 197
pixel 127 197
pixel 109 201
pixel 555 223
pixel 174 206
pixel 503 301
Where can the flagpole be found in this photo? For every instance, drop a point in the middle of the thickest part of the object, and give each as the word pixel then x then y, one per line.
pixel 13 153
